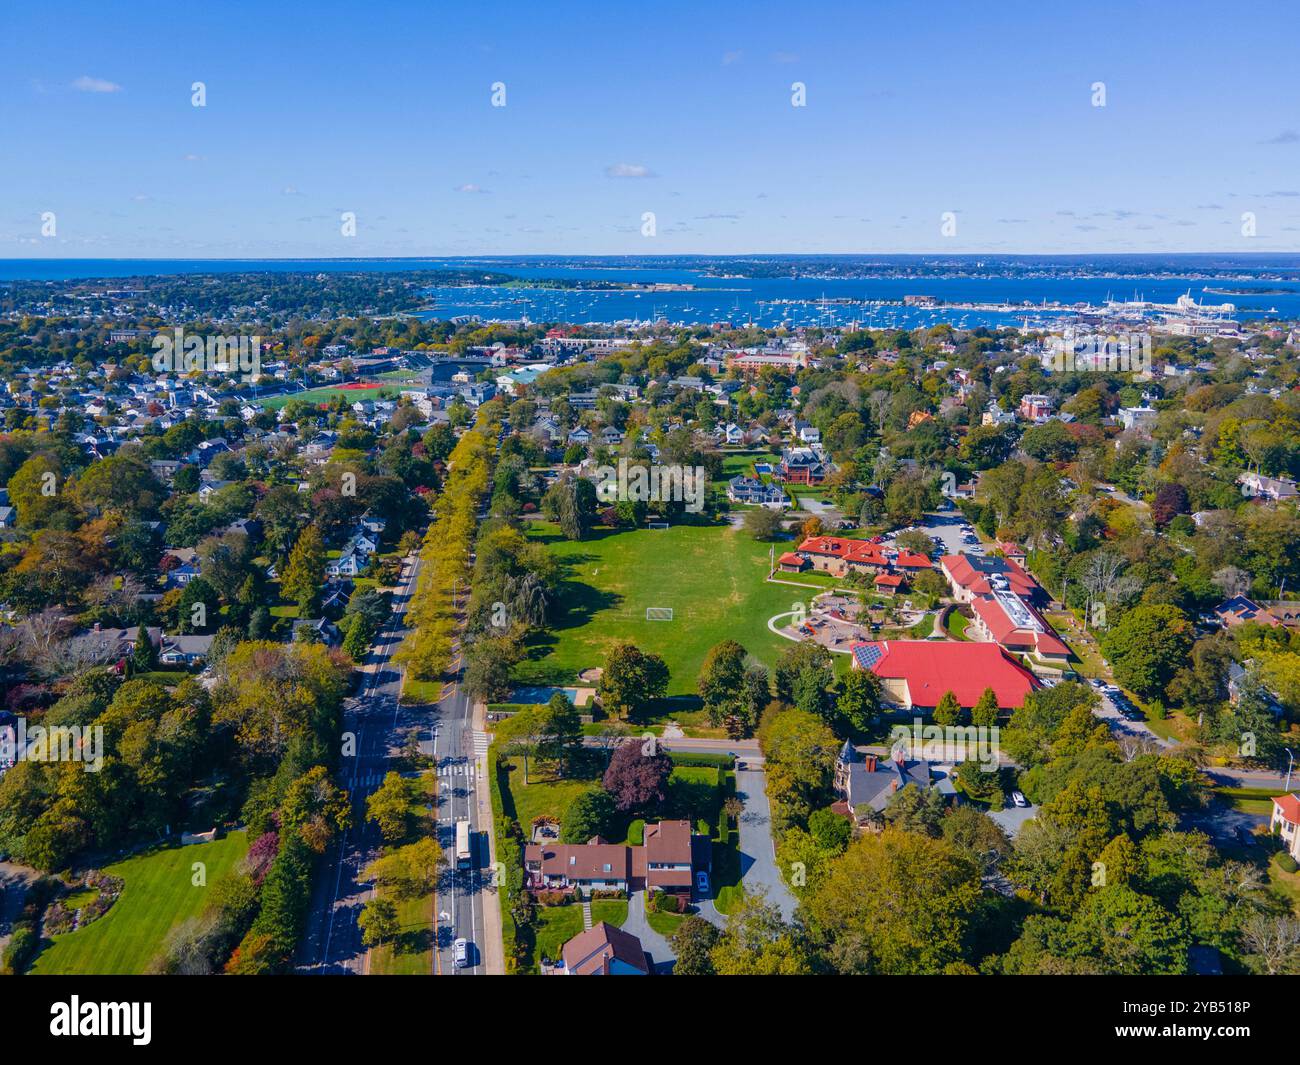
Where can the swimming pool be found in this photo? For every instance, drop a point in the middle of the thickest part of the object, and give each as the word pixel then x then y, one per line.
pixel 542 695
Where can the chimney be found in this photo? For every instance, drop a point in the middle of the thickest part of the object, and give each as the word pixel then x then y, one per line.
pixel 871 763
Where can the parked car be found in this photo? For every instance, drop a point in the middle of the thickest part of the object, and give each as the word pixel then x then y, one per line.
pixel 460 953
pixel 1019 799
pixel 702 883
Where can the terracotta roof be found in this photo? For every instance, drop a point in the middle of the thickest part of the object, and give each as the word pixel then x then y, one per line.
pixel 932 667
pixel 863 552
pixel 973 574
pixel 1005 631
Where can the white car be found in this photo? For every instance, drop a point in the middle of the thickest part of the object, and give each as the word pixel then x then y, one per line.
pixel 1019 799
pixel 460 953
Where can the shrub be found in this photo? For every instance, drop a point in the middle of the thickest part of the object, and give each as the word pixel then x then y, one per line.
pixel 1286 863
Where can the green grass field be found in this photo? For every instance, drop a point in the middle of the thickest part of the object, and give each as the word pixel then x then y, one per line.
pixel 326 393
pixel 713 578
pixel 159 894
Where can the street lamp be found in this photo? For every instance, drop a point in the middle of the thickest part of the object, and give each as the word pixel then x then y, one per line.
pixel 1289 767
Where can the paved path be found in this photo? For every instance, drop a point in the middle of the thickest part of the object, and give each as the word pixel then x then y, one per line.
pixel 656 946
pixel 758 870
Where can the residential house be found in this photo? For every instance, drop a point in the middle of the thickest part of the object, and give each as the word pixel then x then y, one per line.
pixel 754 492
pixel 1274 489
pixel 862 779
pixel 804 465
pixel 1285 822
pixel 603 950
pixel 665 861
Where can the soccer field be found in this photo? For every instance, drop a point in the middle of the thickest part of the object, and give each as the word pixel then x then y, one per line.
pixel 159 894
pixel 711 577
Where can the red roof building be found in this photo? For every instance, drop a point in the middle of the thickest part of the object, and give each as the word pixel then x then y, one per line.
pixel 840 556
pixel 1010 621
pixel 916 673
pixel 973 575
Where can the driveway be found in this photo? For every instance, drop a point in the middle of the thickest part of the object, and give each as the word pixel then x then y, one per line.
pixel 660 953
pixel 758 872
pixel 1118 723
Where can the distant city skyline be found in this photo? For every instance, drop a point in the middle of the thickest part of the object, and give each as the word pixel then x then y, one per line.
pixel 948 129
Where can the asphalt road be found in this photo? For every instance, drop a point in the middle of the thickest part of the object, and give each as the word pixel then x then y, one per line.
pixel 456 748
pixel 374 716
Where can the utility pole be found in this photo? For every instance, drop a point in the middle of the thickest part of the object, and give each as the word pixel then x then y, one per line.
pixel 1290 766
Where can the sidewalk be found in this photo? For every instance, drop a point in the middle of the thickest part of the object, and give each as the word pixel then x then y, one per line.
pixel 494 958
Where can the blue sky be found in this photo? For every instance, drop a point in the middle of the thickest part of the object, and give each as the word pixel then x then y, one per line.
pixel 384 110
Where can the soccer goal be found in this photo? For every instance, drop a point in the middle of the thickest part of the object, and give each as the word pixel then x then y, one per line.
pixel 656 525
pixel 659 613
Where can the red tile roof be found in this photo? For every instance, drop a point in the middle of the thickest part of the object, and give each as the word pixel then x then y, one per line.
pixel 974 579
pixel 1005 631
pixel 862 552
pixel 932 667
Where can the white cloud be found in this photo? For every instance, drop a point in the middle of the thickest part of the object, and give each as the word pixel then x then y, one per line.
pixel 86 83
pixel 628 170
pixel 470 188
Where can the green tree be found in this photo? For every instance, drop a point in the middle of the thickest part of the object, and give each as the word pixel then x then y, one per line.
pixel 1148 646
pixel 392 807
pixel 948 711
pixel 304 575
pixel 378 921
pixel 144 657
pixel 632 680
pixel 985 712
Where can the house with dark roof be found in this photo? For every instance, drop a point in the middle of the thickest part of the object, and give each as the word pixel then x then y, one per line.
pixel 603 950
pixel 804 465
pixel 1240 609
pixel 863 779
pixel 752 491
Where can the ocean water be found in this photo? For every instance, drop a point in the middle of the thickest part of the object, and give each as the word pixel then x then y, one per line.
pixel 804 300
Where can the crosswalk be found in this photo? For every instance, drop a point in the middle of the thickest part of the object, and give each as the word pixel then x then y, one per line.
pixel 480 743
pixel 457 769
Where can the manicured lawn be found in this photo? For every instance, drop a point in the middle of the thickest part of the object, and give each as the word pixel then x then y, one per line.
pixel 713 578
pixel 957 625
pixel 556 925
pixel 326 393
pixel 664 923
pixel 611 911
pixel 543 795
pixel 420 691
pixel 159 895
pixel 1284 884
pixel 1248 800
